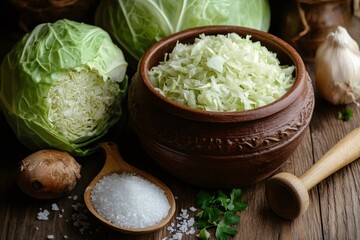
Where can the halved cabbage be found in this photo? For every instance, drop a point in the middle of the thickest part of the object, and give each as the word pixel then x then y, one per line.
pixel 61 86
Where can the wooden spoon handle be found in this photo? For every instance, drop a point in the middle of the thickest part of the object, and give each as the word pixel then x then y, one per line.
pixel 341 154
pixel 114 162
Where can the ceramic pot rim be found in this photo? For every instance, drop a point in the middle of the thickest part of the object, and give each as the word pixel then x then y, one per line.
pixel 167 44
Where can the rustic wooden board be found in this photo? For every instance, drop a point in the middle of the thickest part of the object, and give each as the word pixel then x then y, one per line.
pixel 334 211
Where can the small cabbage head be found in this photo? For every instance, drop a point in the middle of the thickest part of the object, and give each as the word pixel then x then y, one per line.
pixel 61 86
pixel 137 24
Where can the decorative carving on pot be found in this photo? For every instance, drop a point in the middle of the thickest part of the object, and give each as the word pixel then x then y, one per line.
pixel 201 143
pixel 220 149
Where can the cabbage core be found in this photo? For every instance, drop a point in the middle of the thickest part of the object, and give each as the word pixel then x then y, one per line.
pixel 80 102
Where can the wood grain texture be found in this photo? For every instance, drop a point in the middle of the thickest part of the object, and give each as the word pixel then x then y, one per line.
pixel 334 211
pixel 339 194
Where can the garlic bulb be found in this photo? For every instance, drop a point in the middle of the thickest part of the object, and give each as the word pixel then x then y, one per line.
pixel 337 68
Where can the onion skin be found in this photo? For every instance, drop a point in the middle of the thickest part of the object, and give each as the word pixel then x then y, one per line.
pixel 48 174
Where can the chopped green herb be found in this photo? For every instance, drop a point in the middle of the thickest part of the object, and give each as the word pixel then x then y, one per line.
pixel 345 115
pixel 219 211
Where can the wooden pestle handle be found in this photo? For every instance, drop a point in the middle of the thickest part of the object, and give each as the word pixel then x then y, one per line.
pixel 341 154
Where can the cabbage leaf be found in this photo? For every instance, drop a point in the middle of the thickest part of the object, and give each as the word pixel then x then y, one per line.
pixel 137 24
pixel 61 86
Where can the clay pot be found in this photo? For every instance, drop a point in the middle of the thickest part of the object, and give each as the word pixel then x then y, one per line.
pixel 220 149
pixel 305 24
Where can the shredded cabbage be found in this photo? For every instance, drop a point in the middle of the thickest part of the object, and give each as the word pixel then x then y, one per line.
pixel 222 73
pixel 79 104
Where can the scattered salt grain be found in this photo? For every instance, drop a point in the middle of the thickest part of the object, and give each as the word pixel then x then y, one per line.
pixel 79 218
pixel 54 207
pixel 43 215
pixel 184 226
pixel 193 209
pixel 50 237
pixel 129 200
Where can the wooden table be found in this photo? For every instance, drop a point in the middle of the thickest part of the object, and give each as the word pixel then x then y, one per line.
pixel 334 211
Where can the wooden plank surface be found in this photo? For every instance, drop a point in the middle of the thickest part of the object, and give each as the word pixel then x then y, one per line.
pixel 334 211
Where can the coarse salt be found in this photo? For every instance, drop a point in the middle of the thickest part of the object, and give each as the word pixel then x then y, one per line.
pixel 184 226
pixel 54 207
pixel 43 215
pixel 129 200
pixel 79 217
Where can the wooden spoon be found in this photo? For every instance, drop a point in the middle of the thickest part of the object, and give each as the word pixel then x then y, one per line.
pixel 115 164
pixel 287 195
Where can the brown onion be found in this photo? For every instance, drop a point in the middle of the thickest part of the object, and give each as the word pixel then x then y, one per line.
pixel 48 174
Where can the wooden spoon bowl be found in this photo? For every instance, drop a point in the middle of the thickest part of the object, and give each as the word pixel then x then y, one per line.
pixel 115 164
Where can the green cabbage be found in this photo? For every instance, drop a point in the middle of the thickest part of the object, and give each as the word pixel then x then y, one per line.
pixel 137 24
pixel 222 73
pixel 61 86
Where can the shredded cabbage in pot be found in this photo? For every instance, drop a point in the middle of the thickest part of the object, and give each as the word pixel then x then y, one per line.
pixel 222 73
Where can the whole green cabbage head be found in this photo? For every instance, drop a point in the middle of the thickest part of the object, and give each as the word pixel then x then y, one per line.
pixel 61 86
pixel 137 24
